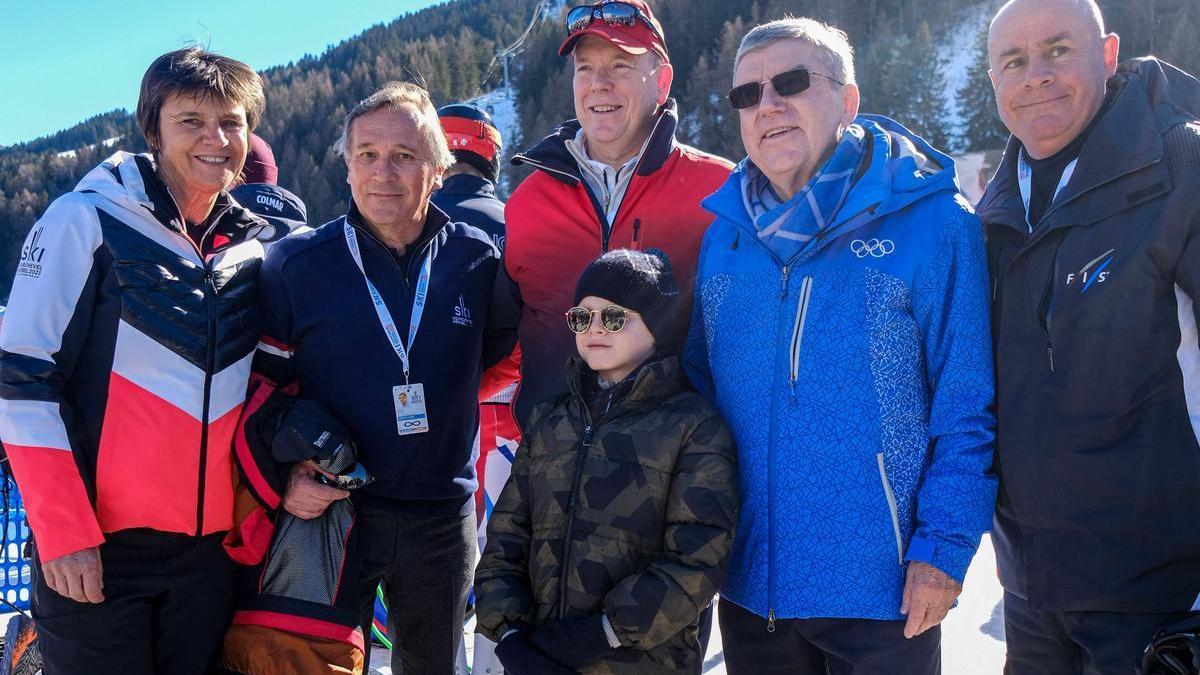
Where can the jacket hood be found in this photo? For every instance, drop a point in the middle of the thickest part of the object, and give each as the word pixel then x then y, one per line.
pixel 551 154
pixel 898 169
pixel 122 180
pixel 1148 98
pixel 131 182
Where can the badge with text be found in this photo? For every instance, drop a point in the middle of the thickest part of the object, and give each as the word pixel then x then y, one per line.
pixel 410 409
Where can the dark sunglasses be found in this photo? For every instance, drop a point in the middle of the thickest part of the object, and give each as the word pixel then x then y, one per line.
pixel 612 13
pixel 787 83
pixel 579 319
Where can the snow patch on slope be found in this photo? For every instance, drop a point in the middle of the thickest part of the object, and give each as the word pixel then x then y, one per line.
pixel 106 143
pixel 501 104
pixel 960 49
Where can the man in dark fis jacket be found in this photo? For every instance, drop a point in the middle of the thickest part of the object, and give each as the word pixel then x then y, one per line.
pixel 1092 222
pixel 387 317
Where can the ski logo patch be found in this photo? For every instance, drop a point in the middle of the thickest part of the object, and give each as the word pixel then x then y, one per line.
pixel 31 256
pixel 1095 272
pixel 462 314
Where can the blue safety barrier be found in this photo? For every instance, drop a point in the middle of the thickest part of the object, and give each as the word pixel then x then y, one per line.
pixel 15 569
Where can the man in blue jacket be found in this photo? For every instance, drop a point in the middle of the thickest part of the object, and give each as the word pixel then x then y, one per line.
pixel 387 316
pixel 841 326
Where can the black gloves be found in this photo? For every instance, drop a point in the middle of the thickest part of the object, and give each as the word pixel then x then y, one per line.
pixel 310 431
pixel 521 658
pixel 576 643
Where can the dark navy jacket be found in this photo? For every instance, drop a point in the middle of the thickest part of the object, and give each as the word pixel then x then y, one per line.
pixel 471 199
pixel 322 334
pixel 1097 361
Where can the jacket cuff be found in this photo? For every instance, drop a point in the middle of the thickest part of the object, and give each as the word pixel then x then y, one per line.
pixel 950 559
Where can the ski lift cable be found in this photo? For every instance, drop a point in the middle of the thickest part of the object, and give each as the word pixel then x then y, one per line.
pixel 515 46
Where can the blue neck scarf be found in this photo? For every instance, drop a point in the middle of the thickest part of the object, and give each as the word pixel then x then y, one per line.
pixel 785 227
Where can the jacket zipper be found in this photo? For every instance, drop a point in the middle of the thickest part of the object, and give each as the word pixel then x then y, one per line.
pixel 637 228
pixel 210 299
pixel 1048 301
pixel 783 289
pixel 891 502
pixel 210 293
pixel 585 444
pixel 798 329
pixel 806 290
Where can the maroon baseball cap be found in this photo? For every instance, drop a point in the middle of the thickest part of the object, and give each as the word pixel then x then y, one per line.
pixel 636 39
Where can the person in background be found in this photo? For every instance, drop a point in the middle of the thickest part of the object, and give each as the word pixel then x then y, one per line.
pixel 260 163
pixel 468 195
pixel 1093 236
pixel 610 539
pixel 124 359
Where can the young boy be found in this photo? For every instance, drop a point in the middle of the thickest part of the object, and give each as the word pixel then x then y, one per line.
pixel 611 537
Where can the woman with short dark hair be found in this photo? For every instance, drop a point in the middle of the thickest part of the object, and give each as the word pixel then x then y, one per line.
pixel 124 359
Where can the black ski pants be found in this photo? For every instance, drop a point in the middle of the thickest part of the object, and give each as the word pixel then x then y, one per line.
pixel 168 599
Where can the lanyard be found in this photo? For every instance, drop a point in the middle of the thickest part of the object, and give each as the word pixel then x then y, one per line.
pixel 381 310
pixel 1025 175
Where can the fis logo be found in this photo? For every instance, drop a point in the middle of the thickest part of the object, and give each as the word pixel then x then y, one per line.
pixel 1095 272
pixel 462 315
pixel 31 256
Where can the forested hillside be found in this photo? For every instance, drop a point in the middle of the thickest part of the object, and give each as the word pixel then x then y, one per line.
pixel 920 61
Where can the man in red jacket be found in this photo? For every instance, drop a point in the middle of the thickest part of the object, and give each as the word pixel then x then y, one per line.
pixel 615 177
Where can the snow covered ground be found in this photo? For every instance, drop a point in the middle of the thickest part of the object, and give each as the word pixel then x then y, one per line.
pixel 972 636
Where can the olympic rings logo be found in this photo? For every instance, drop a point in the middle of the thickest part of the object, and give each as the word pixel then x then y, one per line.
pixel 876 248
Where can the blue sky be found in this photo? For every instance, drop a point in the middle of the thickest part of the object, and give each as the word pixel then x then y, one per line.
pixel 62 61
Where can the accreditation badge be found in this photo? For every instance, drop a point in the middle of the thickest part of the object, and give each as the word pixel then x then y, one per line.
pixel 409 400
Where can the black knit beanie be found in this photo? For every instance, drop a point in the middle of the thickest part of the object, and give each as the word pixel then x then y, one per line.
pixel 637 280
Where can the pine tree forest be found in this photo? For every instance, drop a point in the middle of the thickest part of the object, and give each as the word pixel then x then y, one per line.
pixel 903 48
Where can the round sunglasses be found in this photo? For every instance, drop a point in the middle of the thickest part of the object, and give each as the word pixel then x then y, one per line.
pixel 788 83
pixel 612 318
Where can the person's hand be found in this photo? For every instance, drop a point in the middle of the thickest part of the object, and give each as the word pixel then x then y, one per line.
pixel 305 498
pixel 78 576
pixel 576 643
pixel 519 657
pixel 928 595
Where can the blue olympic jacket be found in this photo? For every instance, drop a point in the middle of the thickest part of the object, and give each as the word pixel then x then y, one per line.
pixel 857 380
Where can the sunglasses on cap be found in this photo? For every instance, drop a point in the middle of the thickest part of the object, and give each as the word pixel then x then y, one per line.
pixel 612 13
pixel 787 83
pixel 612 318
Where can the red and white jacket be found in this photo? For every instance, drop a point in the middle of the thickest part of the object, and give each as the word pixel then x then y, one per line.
pixel 124 358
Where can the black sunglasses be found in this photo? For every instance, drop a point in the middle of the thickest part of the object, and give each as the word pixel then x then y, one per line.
pixel 579 319
pixel 612 13
pixel 788 83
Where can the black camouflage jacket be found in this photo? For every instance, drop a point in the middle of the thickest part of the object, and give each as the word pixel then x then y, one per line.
pixel 631 514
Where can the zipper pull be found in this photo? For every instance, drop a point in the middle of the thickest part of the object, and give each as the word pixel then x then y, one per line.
pixel 771 621
pixel 783 282
pixel 587 436
pixel 637 228
pixel 211 280
pixel 1050 353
